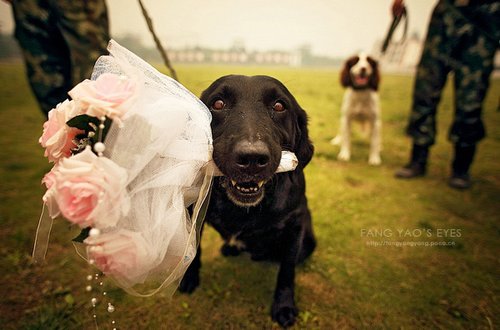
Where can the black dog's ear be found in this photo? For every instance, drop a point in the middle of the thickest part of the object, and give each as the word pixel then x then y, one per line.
pixel 304 148
pixel 375 77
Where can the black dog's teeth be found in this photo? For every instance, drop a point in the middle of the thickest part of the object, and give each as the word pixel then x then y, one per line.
pixel 247 187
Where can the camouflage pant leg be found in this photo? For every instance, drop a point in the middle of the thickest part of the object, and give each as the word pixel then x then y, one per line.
pixel 429 82
pixel 45 53
pixel 450 41
pixel 56 50
pixel 85 28
pixel 472 80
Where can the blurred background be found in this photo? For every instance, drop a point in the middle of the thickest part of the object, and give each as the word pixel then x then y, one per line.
pixel 291 32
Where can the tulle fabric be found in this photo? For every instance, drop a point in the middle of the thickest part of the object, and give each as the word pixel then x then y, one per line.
pixel 164 142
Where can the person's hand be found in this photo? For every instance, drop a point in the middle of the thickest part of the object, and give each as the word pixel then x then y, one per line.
pixel 397 8
pixel 8 1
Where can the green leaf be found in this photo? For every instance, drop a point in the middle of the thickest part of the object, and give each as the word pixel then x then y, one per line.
pixel 90 124
pixel 83 122
pixel 82 236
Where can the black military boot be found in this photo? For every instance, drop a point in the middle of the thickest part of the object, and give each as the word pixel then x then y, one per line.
pixel 417 165
pixel 460 178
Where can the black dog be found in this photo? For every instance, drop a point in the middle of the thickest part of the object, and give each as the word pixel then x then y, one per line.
pixel 254 209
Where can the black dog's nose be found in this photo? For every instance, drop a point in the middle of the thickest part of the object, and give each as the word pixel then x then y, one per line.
pixel 251 156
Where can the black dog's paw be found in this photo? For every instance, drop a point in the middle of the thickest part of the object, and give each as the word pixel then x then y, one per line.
pixel 284 314
pixel 189 282
pixel 230 250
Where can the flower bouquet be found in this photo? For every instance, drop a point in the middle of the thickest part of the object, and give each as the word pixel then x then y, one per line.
pixel 131 150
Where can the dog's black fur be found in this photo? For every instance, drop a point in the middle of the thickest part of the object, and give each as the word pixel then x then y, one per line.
pixel 254 209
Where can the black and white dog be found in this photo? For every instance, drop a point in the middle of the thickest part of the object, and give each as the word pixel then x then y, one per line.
pixel 254 209
pixel 361 77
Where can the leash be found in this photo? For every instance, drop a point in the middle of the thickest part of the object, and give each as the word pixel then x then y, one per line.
pixel 395 22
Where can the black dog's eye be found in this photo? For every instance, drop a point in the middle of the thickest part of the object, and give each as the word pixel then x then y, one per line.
pixel 218 104
pixel 278 106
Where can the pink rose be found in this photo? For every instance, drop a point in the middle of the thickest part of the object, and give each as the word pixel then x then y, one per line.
pixel 49 197
pixel 121 253
pixel 57 137
pixel 49 179
pixel 110 95
pixel 90 190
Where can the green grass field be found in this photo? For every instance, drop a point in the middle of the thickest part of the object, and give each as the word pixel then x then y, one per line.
pixel 348 282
